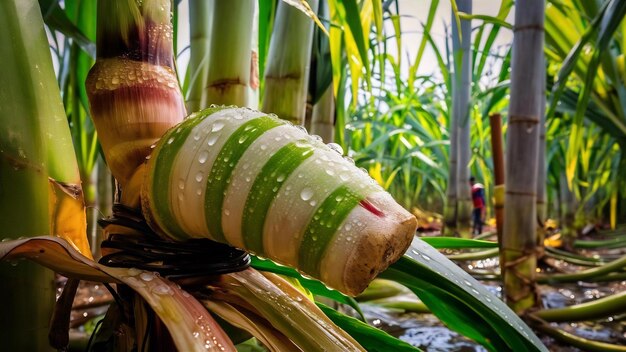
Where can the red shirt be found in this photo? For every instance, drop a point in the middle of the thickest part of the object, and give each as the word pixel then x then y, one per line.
pixel 478 195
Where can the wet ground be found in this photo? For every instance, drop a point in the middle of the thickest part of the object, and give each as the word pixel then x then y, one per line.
pixel 428 333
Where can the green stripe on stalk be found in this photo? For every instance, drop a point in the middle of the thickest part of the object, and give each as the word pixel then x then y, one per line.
pixel 223 167
pixel 264 190
pixel 322 228
pixel 161 176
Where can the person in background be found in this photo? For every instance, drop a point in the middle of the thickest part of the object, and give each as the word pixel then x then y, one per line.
pixel 478 200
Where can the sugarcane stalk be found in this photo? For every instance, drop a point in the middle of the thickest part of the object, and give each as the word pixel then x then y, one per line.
pixel 463 76
pixel 230 54
pixel 133 90
pixel 450 207
pixel 495 121
pixel 200 23
pixel 519 239
pixel 253 181
pixel 322 119
pixel 286 74
pixel 568 211
pixel 542 166
pixel 25 154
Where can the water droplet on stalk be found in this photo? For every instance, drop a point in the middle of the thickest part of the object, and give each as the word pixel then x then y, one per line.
pixel 204 155
pixel 217 126
pixel 336 147
pixel 306 194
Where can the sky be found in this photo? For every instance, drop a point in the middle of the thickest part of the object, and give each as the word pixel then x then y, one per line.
pixel 414 14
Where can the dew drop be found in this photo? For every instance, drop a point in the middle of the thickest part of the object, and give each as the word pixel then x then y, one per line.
pixel 336 147
pixel 306 193
pixel 217 126
pixel 146 276
pixel 280 178
pixel 344 177
pixel 199 176
pixel 202 158
pixel 212 139
pixel 162 290
pixel 169 141
pixel 330 172
pixel 181 184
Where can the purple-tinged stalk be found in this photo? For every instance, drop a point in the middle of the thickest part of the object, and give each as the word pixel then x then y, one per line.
pixel 133 90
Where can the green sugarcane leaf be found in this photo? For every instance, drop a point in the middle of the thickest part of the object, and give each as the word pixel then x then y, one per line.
pixel 56 19
pixel 315 286
pixel 371 338
pixel 457 243
pixel 460 301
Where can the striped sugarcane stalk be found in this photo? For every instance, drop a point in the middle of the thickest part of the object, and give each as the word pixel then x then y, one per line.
pixel 256 182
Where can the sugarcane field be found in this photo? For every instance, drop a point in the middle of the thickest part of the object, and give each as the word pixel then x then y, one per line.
pixel 313 175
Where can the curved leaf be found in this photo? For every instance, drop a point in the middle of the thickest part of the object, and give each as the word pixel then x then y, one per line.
pixel 460 301
pixel 373 339
pixel 191 326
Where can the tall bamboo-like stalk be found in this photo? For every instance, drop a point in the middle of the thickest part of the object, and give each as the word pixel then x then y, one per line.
pixel 520 212
pixel 463 60
pixel 450 210
pixel 133 90
pixel 451 206
pixel 287 69
pixel 323 115
pixel 40 185
pixel 200 23
pixel 568 207
pixel 542 167
pixel 495 121
pixel 230 54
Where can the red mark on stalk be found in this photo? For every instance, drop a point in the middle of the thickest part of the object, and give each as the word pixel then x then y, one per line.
pixel 371 208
